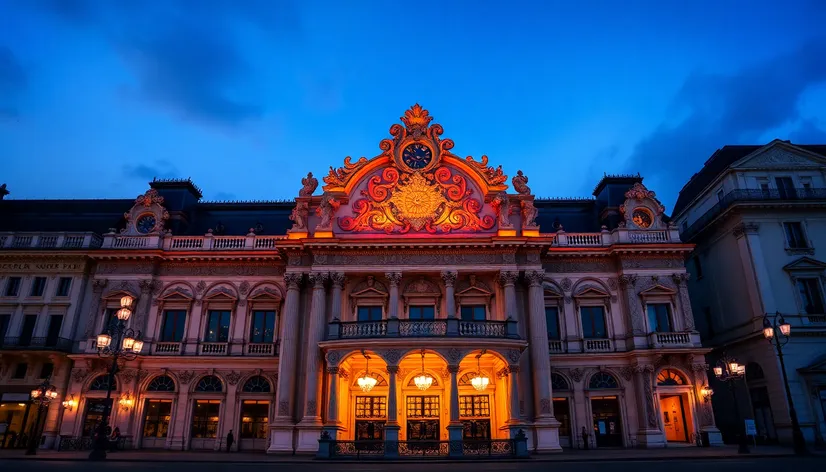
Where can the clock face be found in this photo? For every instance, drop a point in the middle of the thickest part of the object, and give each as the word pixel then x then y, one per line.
pixel 642 218
pixel 145 224
pixel 417 156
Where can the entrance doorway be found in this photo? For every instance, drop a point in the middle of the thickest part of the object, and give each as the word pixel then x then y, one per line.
pixel 674 418
pixel 607 423
pixel 423 418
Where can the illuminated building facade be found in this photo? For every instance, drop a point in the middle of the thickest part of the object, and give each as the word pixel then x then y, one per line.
pixel 415 300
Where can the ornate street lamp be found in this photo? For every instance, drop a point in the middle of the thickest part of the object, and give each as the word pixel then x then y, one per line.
pixel 771 325
pixel 126 347
pixel 423 381
pixel 479 381
pixel 729 371
pixel 366 382
pixel 42 396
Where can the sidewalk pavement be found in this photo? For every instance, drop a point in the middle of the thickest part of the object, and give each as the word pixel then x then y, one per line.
pixel 671 453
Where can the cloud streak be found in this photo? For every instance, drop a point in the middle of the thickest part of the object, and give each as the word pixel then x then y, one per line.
pixel 731 109
pixel 13 81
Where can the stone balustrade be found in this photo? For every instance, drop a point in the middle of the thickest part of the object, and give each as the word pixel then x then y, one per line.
pixel 49 240
pixel 208 242
pixel 162 348
pixel 598 345
pixel 681 339
pixel 398 328
pixel 617 236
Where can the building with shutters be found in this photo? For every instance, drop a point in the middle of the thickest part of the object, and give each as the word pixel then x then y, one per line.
pixel 416 304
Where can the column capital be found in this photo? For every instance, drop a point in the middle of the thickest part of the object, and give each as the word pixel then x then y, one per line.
pixel 338 279
pixel 394 278
pixel 745 228
pixel 449 277
pixel 332 370
pixel 293 280
pixel 508 277
pixel 453 369
pixel 626 280
pixel 680 278
pixel 535 277
pixel 318 279
pixel 393 369
pixel 513 369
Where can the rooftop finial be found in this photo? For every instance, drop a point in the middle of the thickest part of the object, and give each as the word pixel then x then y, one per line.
pixel 3 191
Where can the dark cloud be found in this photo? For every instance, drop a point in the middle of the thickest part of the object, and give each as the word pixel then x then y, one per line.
pixel 225 197
pixel 13 80
pixel 161 169
pixel 185 54
pixel 731 109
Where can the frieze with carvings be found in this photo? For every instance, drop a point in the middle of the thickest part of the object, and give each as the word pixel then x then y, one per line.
pixel 584 264
pixel 25 264
pixel 416 257
pixel 217 268
pixel 652 262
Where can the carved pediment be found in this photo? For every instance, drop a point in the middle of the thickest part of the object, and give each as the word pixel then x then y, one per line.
pixel 591 291
pixel 177 292
pixel 805 264
pixel 779 154
pixel 221 293
pixel 658 290
pixel 368 288
pixel 422 287
pixel 471 286
pixel 642 209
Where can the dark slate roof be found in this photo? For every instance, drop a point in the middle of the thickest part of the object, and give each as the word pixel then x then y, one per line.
pixel 718 163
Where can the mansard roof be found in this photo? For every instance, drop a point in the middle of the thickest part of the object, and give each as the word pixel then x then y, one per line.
pixel 720 161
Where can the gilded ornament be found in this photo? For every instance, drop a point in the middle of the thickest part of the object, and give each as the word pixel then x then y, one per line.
pixel 417 201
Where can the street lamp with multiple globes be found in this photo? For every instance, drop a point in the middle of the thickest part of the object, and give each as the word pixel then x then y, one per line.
pixel 771 325
pixel 42 396
pixel 126 347
pixel 729 371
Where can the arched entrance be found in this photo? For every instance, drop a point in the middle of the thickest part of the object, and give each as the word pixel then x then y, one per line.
pixel 675 401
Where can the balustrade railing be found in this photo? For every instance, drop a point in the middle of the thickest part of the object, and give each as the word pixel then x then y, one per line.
pixel 49 240
pixel 617 236
pixel 490 448
pixel 556 346
pixel 395 328
pixel 671 339
pixel 262 349
pixel 208 242
pixel 36 344
pixel 597 345
pixel 213 349
pixel 167 348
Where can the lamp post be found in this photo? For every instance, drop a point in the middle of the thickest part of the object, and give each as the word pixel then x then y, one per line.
pixel 42 396
pixel 729 371
pixel 771 325
pixel 126 346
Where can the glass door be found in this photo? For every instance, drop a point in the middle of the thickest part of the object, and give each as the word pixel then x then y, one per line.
pixel 371 416
pixel 156 416
pixel 474 412
pixel 423 418
pixel 607 429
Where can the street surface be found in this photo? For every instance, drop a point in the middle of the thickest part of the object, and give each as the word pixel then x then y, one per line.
pixel 771 464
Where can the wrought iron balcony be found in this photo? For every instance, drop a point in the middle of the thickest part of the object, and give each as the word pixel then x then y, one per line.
pixel 752 195
pixel 398 328
pixel 36 344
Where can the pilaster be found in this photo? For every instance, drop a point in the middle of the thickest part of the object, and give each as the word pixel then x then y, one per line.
pixel 649 434
pixel 309 429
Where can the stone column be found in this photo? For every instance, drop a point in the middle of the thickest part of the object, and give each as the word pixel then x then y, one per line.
pixel 507 279
pixel 94 312
pixel 394 278
pixel 391 430
pixel 704 412
pixel 546 425
pixel 685 302
pixel 449 278
pixel 755 268
pixel 649 434
pixel 455 427
pixel 513 397
pixel 332 400
pixel 281 431
pixel 316 330
pixel 144 302
pixel 337 280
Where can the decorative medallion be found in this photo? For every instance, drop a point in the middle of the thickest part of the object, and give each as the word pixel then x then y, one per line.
pixel 417 201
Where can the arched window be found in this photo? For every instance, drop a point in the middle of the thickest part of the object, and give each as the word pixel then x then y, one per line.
pixel 558 382
pixel 754 372
pixel 101 382
pixel 669 377
pixel 161 383
pixel 603 380
pixel 210 383
pixel 257 384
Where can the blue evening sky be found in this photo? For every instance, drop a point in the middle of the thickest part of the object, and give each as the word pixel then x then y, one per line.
pixel 247 96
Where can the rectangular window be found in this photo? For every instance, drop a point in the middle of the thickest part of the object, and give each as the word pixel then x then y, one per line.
pixel 29 322
pixel 811 296
pixel 5 321
pixel 371 407
pixel 552 320
pixel 369 313
pixel 110 316
pixel 217 329
pixel 593 322
pixel 474 406
pixel 422 312
pixel 157 414
pixel 205 418
pixel 794 235
pixel 63 287
pixel 262 328
pixel 698 268
pixel 659 319
pixel 13 286
pixel 785 187
pixel 95 408
pixel 254 419
pixel 38 286
pixel 53 334
pixel 425 406
pixel 720 195
pixel 46 370
pixel 473 313
pixel 20 371
pixel 173 326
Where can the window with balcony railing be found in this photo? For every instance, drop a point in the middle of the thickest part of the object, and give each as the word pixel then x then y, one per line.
pixel 262 326
pixel 552 320
pixel 172 330
pixel 369 313
pixel 217 328
pixel 422 312
pixel 593 322
pixel 473 312
pixel 811 296
pixel 795 237
pixel 659 318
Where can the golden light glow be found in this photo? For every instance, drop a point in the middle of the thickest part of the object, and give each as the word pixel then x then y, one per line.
pixel 480 382
pixel 137 346
pixel 124 314
pixel 718 371
pixel 126 301
pixel 126 402
pixel 706 393
pixel 785 328
pixel 423 381
pixel 69 403
pixel 768 332
pixel 417 200
pixel 366 383
pixel 128 343
pixel 103 340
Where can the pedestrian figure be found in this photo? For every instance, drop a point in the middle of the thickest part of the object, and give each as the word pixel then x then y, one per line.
pixel 230 440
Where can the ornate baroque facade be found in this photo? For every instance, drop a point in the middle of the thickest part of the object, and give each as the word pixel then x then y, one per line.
pixel 415 299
